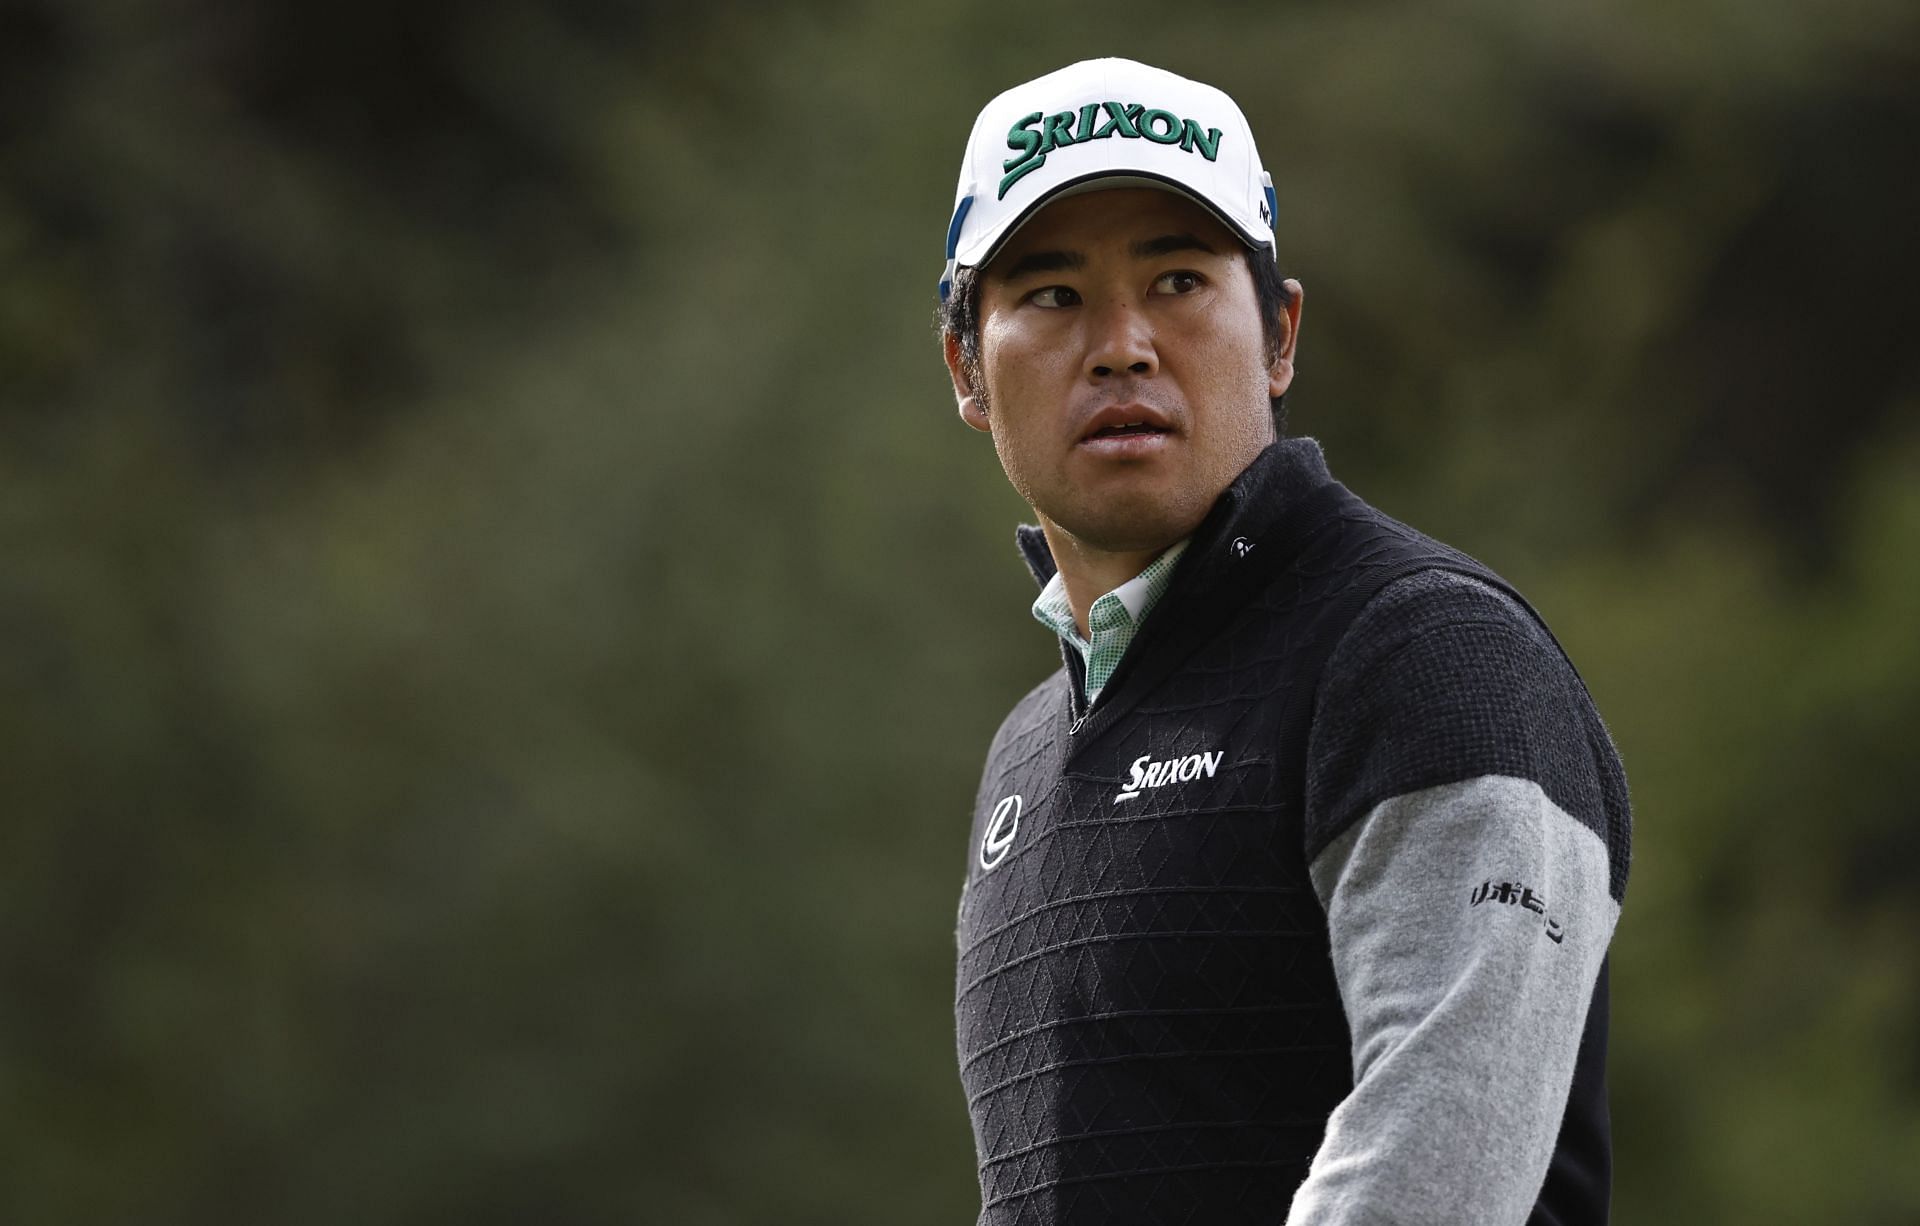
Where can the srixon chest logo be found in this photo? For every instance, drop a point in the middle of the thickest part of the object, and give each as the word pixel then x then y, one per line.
pixel 1148 774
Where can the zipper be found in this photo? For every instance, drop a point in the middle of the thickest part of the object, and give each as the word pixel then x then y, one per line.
pixel 1080 721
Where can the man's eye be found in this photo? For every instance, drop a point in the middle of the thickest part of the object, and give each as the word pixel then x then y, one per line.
pixel 1054 296
pixel 1182 282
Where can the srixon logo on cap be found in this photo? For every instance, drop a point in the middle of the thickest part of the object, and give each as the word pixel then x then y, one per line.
pixel 1040 134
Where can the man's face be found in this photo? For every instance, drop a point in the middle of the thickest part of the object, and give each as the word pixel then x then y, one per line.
pixel 1124 370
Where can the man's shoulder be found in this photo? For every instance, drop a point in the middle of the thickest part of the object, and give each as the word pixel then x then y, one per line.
pixel 1419 582
pixel 1448 675
pixel 1455 629
pixel 1437 597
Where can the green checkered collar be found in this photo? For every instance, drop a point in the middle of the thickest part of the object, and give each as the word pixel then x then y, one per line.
pixel 1113 619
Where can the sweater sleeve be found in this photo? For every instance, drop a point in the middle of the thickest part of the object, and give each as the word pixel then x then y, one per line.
pixel 1467 832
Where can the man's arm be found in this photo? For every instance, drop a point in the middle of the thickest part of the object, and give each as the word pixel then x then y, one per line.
pixel 1467 835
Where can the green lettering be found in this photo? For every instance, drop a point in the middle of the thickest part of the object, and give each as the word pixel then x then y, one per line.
pixel 1208 144
pixel 1022 138
pixel 1171 122
pixel 1020 173
pixel 1059 131
pixel 1121 121
pixel 1087 113
pixel 1039 134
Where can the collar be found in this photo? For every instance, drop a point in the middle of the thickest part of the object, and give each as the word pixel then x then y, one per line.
pixel 1278 480
pixel 1254 530
pixel 1137 595
pixel 1113 620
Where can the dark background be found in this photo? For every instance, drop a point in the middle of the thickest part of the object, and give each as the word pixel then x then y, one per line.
pixel 502 622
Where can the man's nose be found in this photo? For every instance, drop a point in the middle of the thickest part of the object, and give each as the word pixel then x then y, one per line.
pixel 1121 340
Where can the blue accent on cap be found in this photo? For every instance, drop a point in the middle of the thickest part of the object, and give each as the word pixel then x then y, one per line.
pixel 953 229
pixel 1273 206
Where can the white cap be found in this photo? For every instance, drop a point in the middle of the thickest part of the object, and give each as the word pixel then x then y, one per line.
pixel 1099 124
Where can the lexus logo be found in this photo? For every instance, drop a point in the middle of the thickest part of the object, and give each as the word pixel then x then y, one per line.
pixel 1004 824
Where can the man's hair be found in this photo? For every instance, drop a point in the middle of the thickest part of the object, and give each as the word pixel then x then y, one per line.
pixel 959 316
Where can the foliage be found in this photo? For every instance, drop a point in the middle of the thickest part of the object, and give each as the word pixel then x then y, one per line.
pixel 503 622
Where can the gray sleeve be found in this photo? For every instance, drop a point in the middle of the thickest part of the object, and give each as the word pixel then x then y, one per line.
pixel 1469 922
pixel 1468 836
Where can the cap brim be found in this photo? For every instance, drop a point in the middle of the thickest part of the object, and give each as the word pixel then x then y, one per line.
pixel 1104 180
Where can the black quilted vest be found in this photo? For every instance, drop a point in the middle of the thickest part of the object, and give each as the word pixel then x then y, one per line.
pixel 1148 1025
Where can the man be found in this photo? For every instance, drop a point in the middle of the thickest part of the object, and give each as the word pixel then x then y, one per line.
pixel 1288 897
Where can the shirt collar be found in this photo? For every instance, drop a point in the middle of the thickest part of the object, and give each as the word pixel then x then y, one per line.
pixel 1259 500
pixel 1252 534
pixel 1136 596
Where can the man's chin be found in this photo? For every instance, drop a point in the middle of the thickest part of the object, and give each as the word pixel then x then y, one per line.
pixel 1125 526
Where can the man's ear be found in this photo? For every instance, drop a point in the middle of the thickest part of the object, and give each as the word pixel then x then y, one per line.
pixel 1280 373
pixel 971 409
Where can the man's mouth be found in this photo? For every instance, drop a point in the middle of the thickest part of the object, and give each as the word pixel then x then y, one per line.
pixel 1127 429
pixel 1119 422
pixel 1127 432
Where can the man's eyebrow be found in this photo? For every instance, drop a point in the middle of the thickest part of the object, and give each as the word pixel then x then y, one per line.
pixel 1167 244
pixel 1044 261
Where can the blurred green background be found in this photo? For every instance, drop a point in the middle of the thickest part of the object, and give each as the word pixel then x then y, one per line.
pixel 502 622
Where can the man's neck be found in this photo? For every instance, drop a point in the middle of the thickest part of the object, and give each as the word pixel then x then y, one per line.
pixel 1088 573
